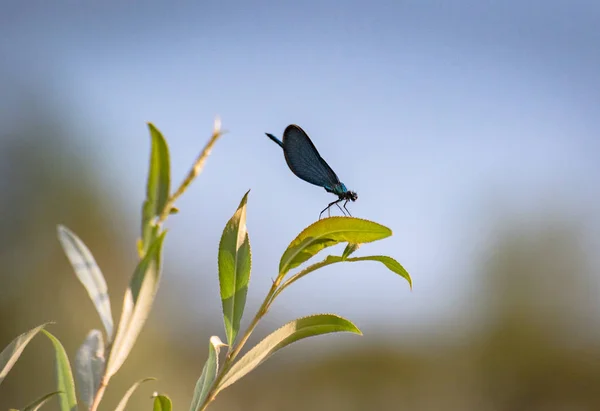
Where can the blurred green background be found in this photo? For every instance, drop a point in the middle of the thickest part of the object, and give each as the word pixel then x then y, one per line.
pixel 469 129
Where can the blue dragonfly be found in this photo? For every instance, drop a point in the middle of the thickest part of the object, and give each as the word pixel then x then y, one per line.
pixel 305 161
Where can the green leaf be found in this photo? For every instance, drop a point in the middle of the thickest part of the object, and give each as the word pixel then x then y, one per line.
pixel 64 376
pixel 209 373
pixel 158 186
pixel 89 366
pixel 89 274
pixel 326 233
pixel 11 353
pixel 37 404
pixel 162 403
pixel 234 270
pixel 125 399
pixel 350 248
pixel 136 305
pixel 389 262
pixel 291 332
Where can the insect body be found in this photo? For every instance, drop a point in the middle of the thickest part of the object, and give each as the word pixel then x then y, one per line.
pixel 305 161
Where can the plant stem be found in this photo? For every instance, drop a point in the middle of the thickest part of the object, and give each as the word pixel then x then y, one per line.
pixel 259 314
pixel 235 351
pixel 299 275
pixel 275 290
pixel 194 171
pixel 264 308
pixel 99 394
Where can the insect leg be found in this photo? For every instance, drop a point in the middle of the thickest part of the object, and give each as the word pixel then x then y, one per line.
pixel 328 207
pixel 346 208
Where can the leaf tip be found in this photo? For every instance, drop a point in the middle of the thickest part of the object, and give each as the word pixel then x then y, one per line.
pixel 46 324
pixel 354 329
pixel 245 198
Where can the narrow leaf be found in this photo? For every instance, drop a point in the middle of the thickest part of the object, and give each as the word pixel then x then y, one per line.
pixel 125 399
pixel 37 404
pixel 209 373
pixel 89 274
pixel 326 233
pixel 89 366
pixel 234 270
pixel 158 186
pixel 389 262
pixel 136 305
pixel 64 376
pixel 289 333
pixel 11 353
pixel 162 403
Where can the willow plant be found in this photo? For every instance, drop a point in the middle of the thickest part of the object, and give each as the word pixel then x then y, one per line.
pixel 103 352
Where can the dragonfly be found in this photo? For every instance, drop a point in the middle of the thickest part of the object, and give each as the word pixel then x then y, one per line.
pixel 306 163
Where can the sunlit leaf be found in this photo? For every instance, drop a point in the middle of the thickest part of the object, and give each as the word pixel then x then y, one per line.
pixel 326 233
pixel 89 366
pixel 37 404
pixel 162 403
pixel 389 262
pixel 64 376
pixel 89 274
pixel 11 353
pixel 158 186
pixel 137 304
pixel 289 333
pixel 234 270
pixel 125 399
pixel 209 372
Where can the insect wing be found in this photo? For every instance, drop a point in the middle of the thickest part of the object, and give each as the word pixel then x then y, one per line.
pixel 304 160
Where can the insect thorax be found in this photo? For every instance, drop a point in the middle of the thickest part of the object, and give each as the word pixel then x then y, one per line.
pixel 338 189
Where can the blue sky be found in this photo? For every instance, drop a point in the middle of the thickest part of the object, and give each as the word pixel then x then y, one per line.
pixel 434 112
